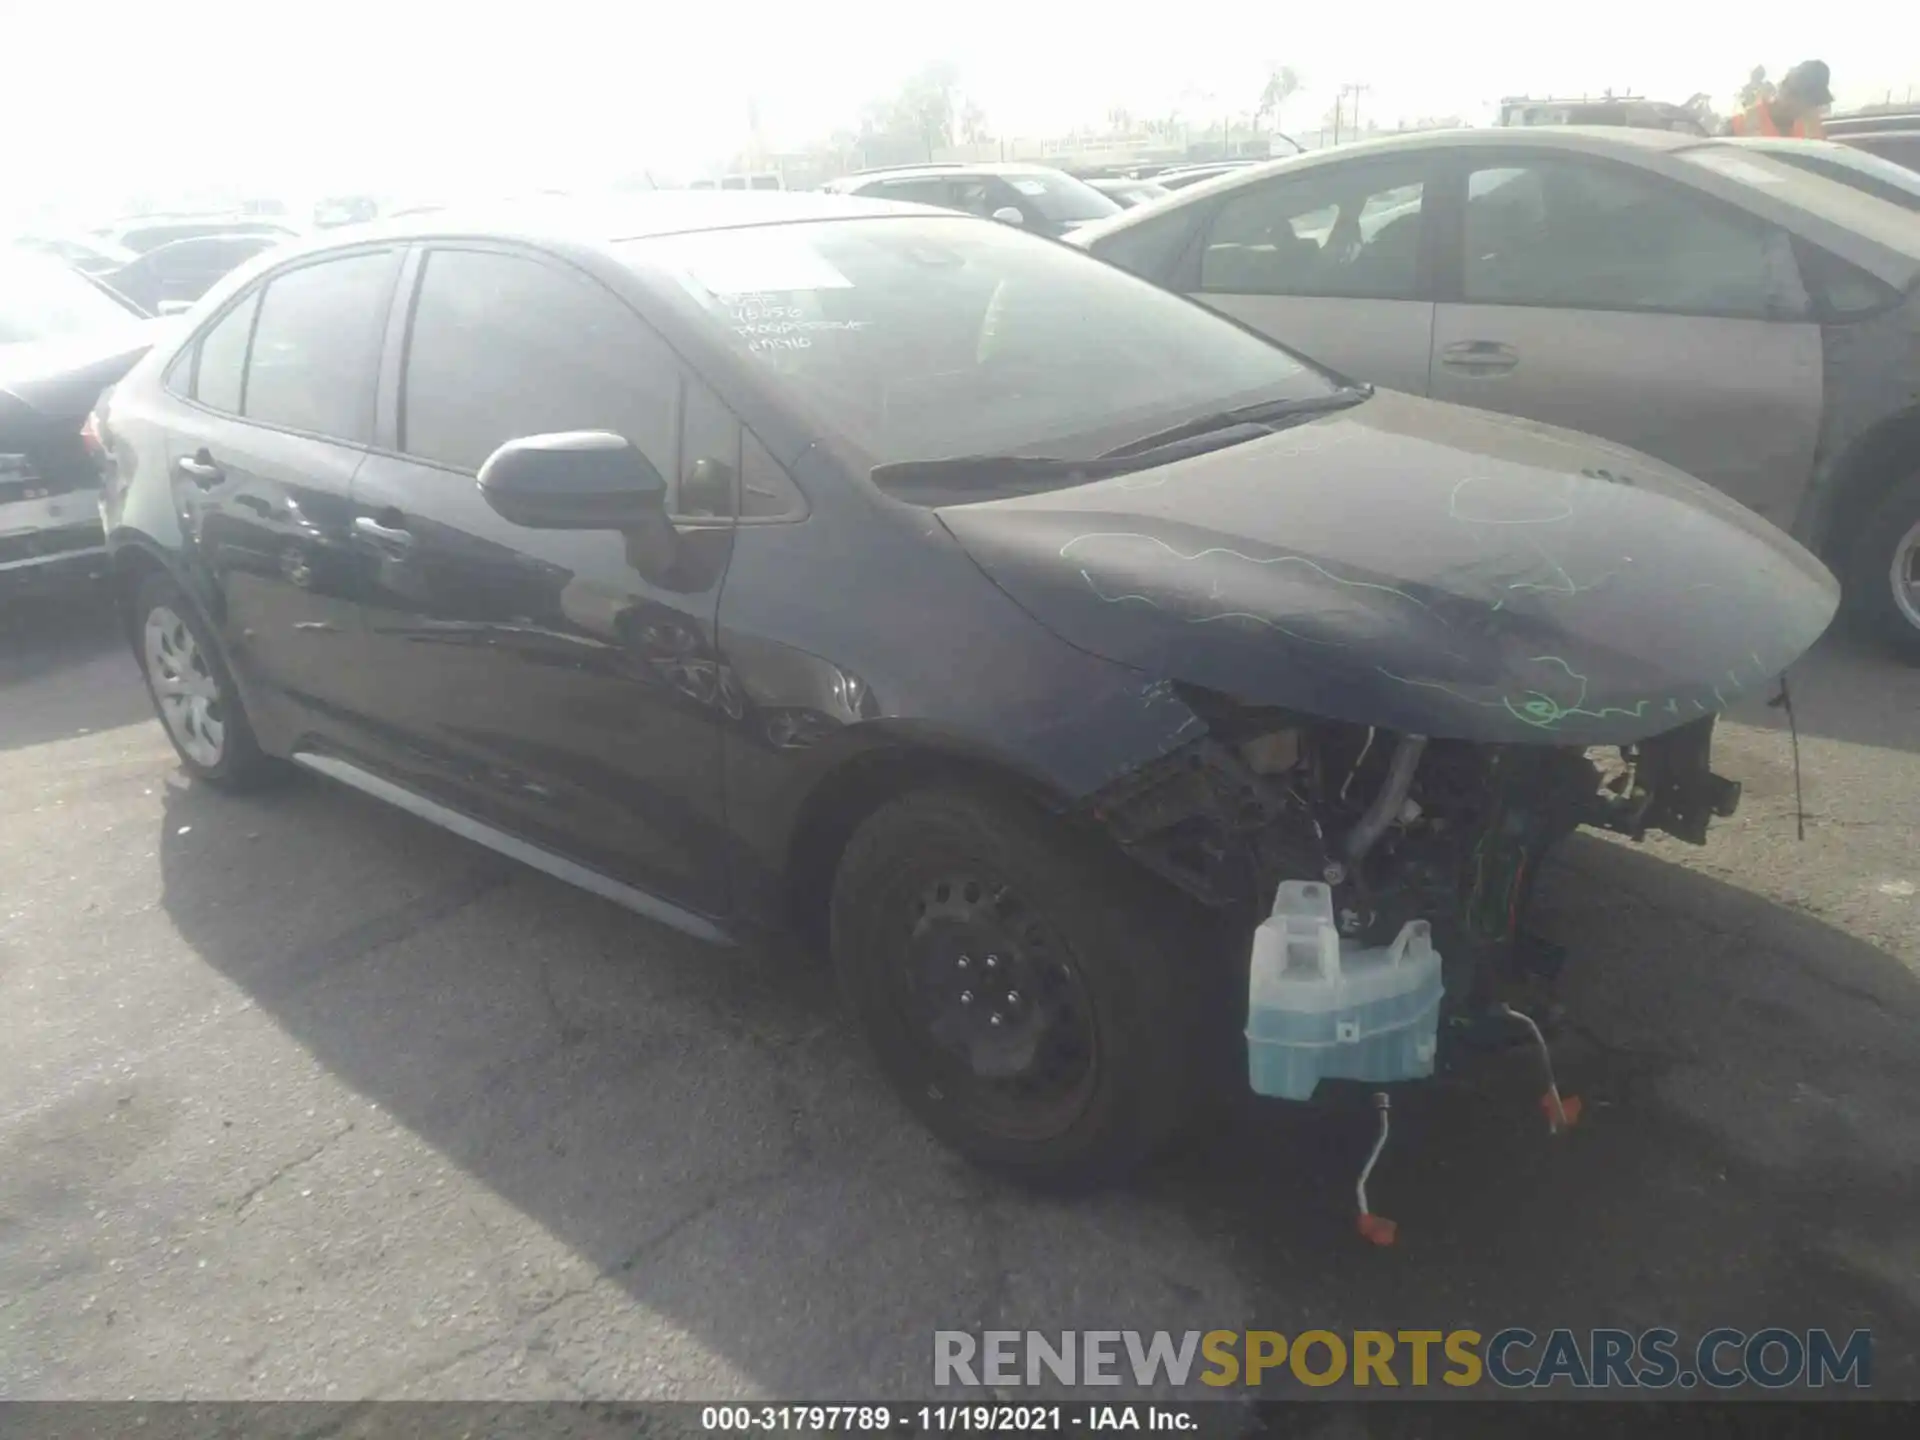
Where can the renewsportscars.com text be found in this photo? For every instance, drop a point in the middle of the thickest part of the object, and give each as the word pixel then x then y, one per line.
pixel 1513 1358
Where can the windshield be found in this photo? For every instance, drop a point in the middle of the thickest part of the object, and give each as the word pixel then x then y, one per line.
pixel 933 338
pixel 1063 199
pixel 42 299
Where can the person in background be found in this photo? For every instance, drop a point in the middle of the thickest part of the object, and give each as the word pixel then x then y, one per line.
pixel 1794 110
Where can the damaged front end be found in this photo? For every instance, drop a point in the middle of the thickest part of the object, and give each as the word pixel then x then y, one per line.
pixel 1401 828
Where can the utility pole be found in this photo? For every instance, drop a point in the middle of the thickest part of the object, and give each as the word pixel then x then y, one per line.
pixel 1356 90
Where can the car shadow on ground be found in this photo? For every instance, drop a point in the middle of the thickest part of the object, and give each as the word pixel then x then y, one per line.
pixel 701 1129
pixel 1851 688
pixel 72 639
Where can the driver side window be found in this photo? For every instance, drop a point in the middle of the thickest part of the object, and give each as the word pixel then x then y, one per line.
pixel 1347 230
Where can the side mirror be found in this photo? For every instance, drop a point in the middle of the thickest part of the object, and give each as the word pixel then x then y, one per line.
pixel 1008 215
pixel 579 480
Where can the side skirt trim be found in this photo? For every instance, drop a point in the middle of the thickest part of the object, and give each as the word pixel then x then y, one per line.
pixel 499 841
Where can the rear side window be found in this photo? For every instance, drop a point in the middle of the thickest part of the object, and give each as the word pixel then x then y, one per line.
pixel 316 346
pixel 219 373
pixel 1341 230
pixel 504 346
pixel 1569 234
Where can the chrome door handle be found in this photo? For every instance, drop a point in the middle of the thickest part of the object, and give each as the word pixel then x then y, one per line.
pixel 390 536
pixel 200 468
pixel 1482 357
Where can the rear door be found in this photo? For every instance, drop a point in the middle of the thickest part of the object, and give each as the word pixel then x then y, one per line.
pixel 269 415
pixel 1332 263
pixel 1590 294
pixel 563 685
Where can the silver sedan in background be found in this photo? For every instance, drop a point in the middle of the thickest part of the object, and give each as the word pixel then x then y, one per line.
pixel 1750 321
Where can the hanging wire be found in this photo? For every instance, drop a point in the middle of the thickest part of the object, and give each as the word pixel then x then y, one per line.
pixel 1784 701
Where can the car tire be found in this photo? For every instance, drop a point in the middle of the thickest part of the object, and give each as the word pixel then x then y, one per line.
pixel 938 887
pixel 193 692
pixel 1886 552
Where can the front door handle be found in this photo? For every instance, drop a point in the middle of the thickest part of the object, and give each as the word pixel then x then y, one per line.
pixel 200 468
pixel 1480 357
pixel 392 537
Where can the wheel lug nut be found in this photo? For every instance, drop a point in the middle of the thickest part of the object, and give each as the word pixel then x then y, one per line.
pixel 966 997
pixel 994 1019
pixel 965 961
pixel 993 962
pixel 1013 997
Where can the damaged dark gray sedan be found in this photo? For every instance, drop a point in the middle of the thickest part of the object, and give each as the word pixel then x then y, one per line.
pixel 1026 631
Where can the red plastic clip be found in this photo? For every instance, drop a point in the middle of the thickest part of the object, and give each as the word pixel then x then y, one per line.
pixel 1562 1111
pixel 1378 1229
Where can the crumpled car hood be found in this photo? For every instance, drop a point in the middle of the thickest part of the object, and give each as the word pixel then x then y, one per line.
pixel 1420 567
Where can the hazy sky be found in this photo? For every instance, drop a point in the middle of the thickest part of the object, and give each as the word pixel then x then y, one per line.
pixel 430 95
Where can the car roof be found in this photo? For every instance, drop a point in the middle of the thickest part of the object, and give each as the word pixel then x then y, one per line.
pixel 595 223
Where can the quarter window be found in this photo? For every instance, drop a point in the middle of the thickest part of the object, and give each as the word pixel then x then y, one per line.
pixel 503 346
pixel 222 365
pixel 1350 231
pixel 316 346
pixel 1575 235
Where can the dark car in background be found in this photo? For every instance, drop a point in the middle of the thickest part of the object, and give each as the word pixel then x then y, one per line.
pixel 1900 147
pixel 1849 164
pixel 62 340
pixel 172 276
pixel 1037 197
pixel 1009 622
pixel 1129 192
pixel 1179 177
pixel 89 254
pixel 149 232
pixel 1892 134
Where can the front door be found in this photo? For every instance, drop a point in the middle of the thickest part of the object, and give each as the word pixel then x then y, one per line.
pixel 1623 304
pixel 1331 263
pixel 561 685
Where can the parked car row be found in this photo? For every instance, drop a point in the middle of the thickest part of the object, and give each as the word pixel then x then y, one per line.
pixel 1012 624
pixel 1039 197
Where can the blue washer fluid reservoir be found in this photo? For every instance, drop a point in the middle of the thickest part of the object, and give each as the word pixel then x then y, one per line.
pixel 1323 1008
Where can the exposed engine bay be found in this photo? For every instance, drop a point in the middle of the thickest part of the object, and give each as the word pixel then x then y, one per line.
pixel 1401 827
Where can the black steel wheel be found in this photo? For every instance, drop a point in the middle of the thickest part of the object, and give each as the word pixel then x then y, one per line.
pixel 1022 996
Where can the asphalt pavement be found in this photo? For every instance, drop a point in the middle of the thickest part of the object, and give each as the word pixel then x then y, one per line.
pixel 303 1098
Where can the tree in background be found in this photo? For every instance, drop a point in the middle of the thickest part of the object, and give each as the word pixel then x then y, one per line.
pixel 1700 107
pixel 1757 89
pixel 1283 83
pixel 923 116
pixel 973 124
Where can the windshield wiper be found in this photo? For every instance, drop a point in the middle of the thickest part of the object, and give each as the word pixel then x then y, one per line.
pixel 996 471
pixel 1267 414
pixel 1163 447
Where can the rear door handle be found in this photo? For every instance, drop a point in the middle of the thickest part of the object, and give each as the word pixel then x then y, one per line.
pixel 200 468
pixel 392 537
pixel 1480 357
